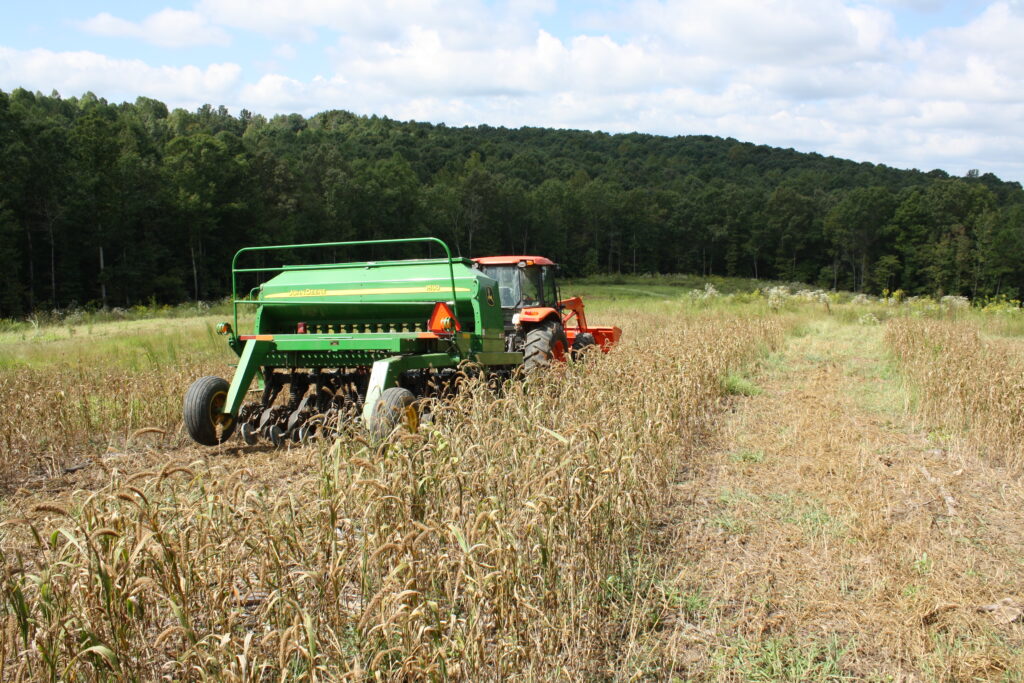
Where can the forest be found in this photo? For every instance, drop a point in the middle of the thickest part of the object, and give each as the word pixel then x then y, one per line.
pixel 106 205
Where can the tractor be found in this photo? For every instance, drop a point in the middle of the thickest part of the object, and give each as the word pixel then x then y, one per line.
pixel 538 323
pixel 332 343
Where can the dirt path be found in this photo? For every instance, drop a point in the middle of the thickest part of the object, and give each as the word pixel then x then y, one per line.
pixel 827 535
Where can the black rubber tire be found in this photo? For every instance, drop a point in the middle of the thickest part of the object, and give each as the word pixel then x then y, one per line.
pixel 201 400
pixel 541 343
pixel 583 342
pixel 396 406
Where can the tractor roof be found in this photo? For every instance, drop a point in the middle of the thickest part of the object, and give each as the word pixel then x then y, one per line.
pixel 513 260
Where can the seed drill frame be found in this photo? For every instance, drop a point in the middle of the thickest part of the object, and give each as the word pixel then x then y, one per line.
pixel 367 337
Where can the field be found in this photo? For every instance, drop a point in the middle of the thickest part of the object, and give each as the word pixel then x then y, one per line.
pixel 755 485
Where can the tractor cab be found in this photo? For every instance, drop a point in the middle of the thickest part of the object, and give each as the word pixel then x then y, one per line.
pixel 523 281
pixel 538 322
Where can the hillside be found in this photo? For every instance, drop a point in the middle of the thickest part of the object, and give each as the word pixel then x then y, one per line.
pixel 114 204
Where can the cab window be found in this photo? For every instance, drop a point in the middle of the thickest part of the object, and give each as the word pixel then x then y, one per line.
pixel 550 291
pixel 508 284
pixel 531 283
pixel 526 286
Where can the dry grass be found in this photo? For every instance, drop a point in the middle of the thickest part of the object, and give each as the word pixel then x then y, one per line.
pixel 71 398
pixel 513 538
pixel 966 383
pixel 688 507
pixel 827 537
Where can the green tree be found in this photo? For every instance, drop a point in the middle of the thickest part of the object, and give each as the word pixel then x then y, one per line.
pixel 200 169
pixel 122 202
pixel 855 225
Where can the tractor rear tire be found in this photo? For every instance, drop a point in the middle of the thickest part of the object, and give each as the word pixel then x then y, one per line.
pixel 204 421
pixel 544 342
pixel 395 407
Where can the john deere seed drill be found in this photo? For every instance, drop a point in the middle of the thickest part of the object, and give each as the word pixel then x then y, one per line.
pixel 348 341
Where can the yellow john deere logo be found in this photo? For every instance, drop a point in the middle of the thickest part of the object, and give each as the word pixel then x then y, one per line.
pixel 490 296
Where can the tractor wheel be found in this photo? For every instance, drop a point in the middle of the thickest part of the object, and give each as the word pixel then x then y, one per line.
pixel 204 402
pixel 583 343
pixel 395 407
pixel 544 342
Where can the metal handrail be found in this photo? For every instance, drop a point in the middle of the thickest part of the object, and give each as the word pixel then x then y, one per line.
pixel 235 270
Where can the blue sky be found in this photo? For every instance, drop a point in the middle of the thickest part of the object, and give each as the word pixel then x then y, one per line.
pixel 910 83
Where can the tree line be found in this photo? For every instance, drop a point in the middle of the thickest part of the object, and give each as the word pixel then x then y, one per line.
pixel 109 204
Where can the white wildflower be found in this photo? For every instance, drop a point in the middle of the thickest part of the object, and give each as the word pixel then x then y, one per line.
pixel 955 303
pixel 869 319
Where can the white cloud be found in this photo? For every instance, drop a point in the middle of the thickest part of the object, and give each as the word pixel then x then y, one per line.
pixel 463 24
pixel 275 93
pixel 833 76
pixel 982 61
pixel 422 64
pixel 735 32
pixel 167 28
pixel 285 51
pixel 77 72
pixel 821 76
pixel 918 5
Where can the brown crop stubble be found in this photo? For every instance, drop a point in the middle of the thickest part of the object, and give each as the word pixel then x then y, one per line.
pixel 965 383
pixel 73 399
pixel 508 539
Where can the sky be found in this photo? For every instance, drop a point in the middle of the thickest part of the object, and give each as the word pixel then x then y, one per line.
pixel 908 83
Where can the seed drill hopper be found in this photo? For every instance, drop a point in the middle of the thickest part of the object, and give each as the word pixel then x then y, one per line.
pixel 337 342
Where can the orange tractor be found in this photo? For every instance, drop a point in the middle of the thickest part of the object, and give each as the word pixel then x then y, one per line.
pixel 538 322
